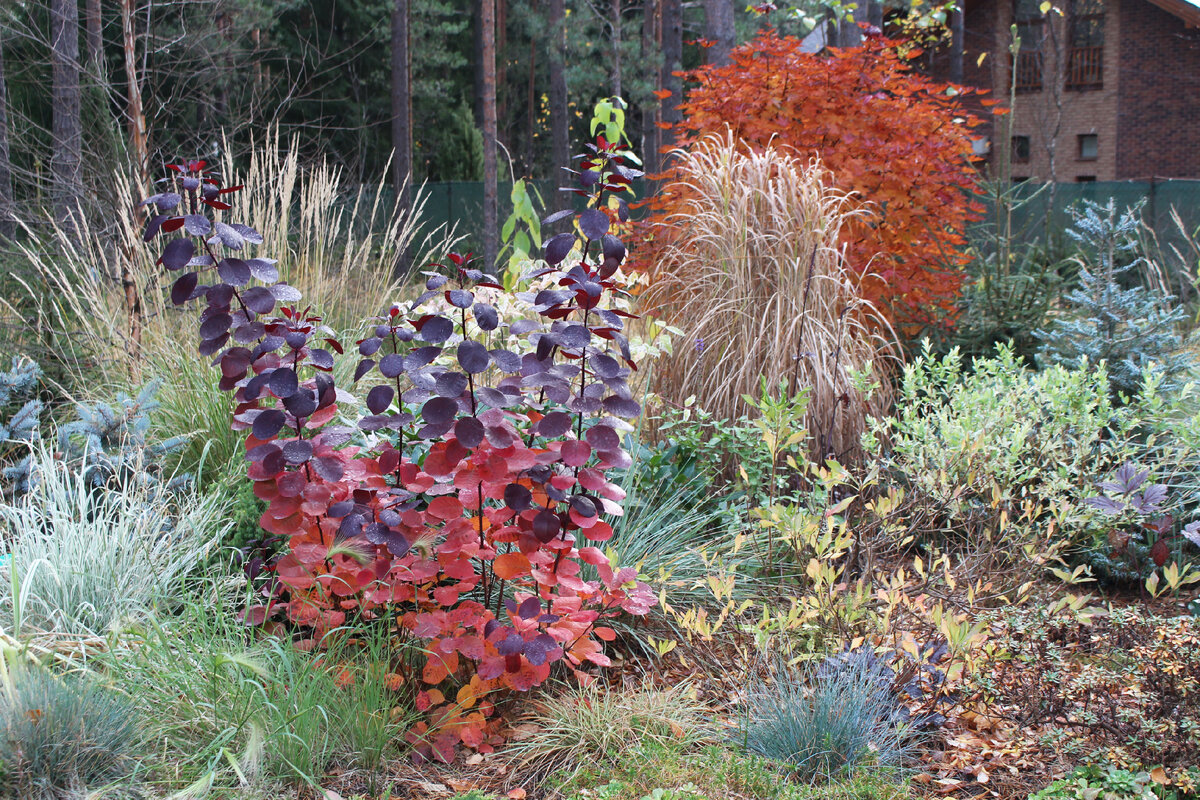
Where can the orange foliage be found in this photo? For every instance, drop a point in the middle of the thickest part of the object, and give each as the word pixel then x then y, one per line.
pixel 892 136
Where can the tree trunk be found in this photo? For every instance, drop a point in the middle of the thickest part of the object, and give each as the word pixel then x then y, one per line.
pixel 560 123
pixel 138 146
pixel 956 46
pixel 875 14
pixel 616 48
pixel 719 29
pixel 651 112
pixel 491 231
pixel 402 118
pixel 95 40
pixel 401 105
pixel 7 208
pixel 848 32
pixel 672 50
pixel 66 159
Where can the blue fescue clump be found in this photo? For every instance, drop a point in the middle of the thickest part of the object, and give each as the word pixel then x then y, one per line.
pixel 1111 317
pixel 18 388
pixel 830 722
pixel 62 735
pixel 108 439
pixel 111 440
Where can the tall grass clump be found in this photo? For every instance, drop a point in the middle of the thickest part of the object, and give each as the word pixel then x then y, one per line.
pixel 588 725
pixel 226 709
pixel 99 303
pixel 86 560
pixel 826 724
pixel 62 737
pixel 754 278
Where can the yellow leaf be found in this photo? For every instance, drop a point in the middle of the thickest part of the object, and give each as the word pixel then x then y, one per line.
pixel 1159 775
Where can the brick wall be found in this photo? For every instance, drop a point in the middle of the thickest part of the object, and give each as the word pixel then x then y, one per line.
pixel 1158 125
pixel 1146 116
pixel 1057 116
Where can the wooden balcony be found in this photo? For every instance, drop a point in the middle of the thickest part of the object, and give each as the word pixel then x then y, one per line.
pixel 1029 71
pixel 1085 67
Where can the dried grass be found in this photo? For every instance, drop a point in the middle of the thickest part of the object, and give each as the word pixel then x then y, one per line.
pixel 755 279
pixel 338 245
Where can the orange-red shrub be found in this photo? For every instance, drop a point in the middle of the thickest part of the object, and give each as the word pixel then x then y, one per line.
pixel 897 139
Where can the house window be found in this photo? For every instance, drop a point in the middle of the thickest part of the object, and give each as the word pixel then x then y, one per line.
pixel 1029 20
pixel 1020 149
pixel 1085 178
pixel 1089 147
pixel 1085 57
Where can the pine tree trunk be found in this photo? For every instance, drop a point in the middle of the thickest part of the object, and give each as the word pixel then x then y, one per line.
pixel 138 146
pixel 401 104
pixel 956 45
pixel 491 230
pixel 875 14
pixel 616 48
pixel 66 159
pixel 560 137
pixel 402 118
pixel 651 112
pixel 672 50
pixel 7 207
pixel 719 29
pixel 95 40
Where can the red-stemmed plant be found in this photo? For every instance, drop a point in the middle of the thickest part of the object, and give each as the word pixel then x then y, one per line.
pixel 468 499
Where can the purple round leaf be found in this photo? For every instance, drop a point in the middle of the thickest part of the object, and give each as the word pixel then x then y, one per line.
pixel 181 290
pixel 330 468
pixel 473 356
pixel 460 298
pixel 593 223
pixel 612 247
pixel 439 410
pixel 380 398
pixel 554 424
pixel 263 269
pixel 492 397
pixel 268 424
pixel 369 346
pixel 558 247
pixel 178 253
pixel 391 365
pixel 364 366
pixel 215 325
pixel 451 384
pixel 517 497
pixel 469 432
pixel 234 271
pixel 622 406
pixel 283 382
pixel 436 330
pixel 259 300
pixel 506 360
pixel 602 437
pixel 486 317
pixel 546 525
pixel 297 451
pixel 302 403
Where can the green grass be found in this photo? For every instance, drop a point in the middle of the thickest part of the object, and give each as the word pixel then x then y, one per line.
pixel 226 707
pixel 656 771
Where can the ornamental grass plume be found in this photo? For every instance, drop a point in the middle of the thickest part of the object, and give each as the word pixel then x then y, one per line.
pixel 754 272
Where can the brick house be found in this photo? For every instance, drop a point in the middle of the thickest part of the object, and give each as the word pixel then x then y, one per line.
pixel 1105 89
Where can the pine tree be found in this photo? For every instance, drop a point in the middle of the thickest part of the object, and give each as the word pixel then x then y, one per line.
pixel 1109 317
